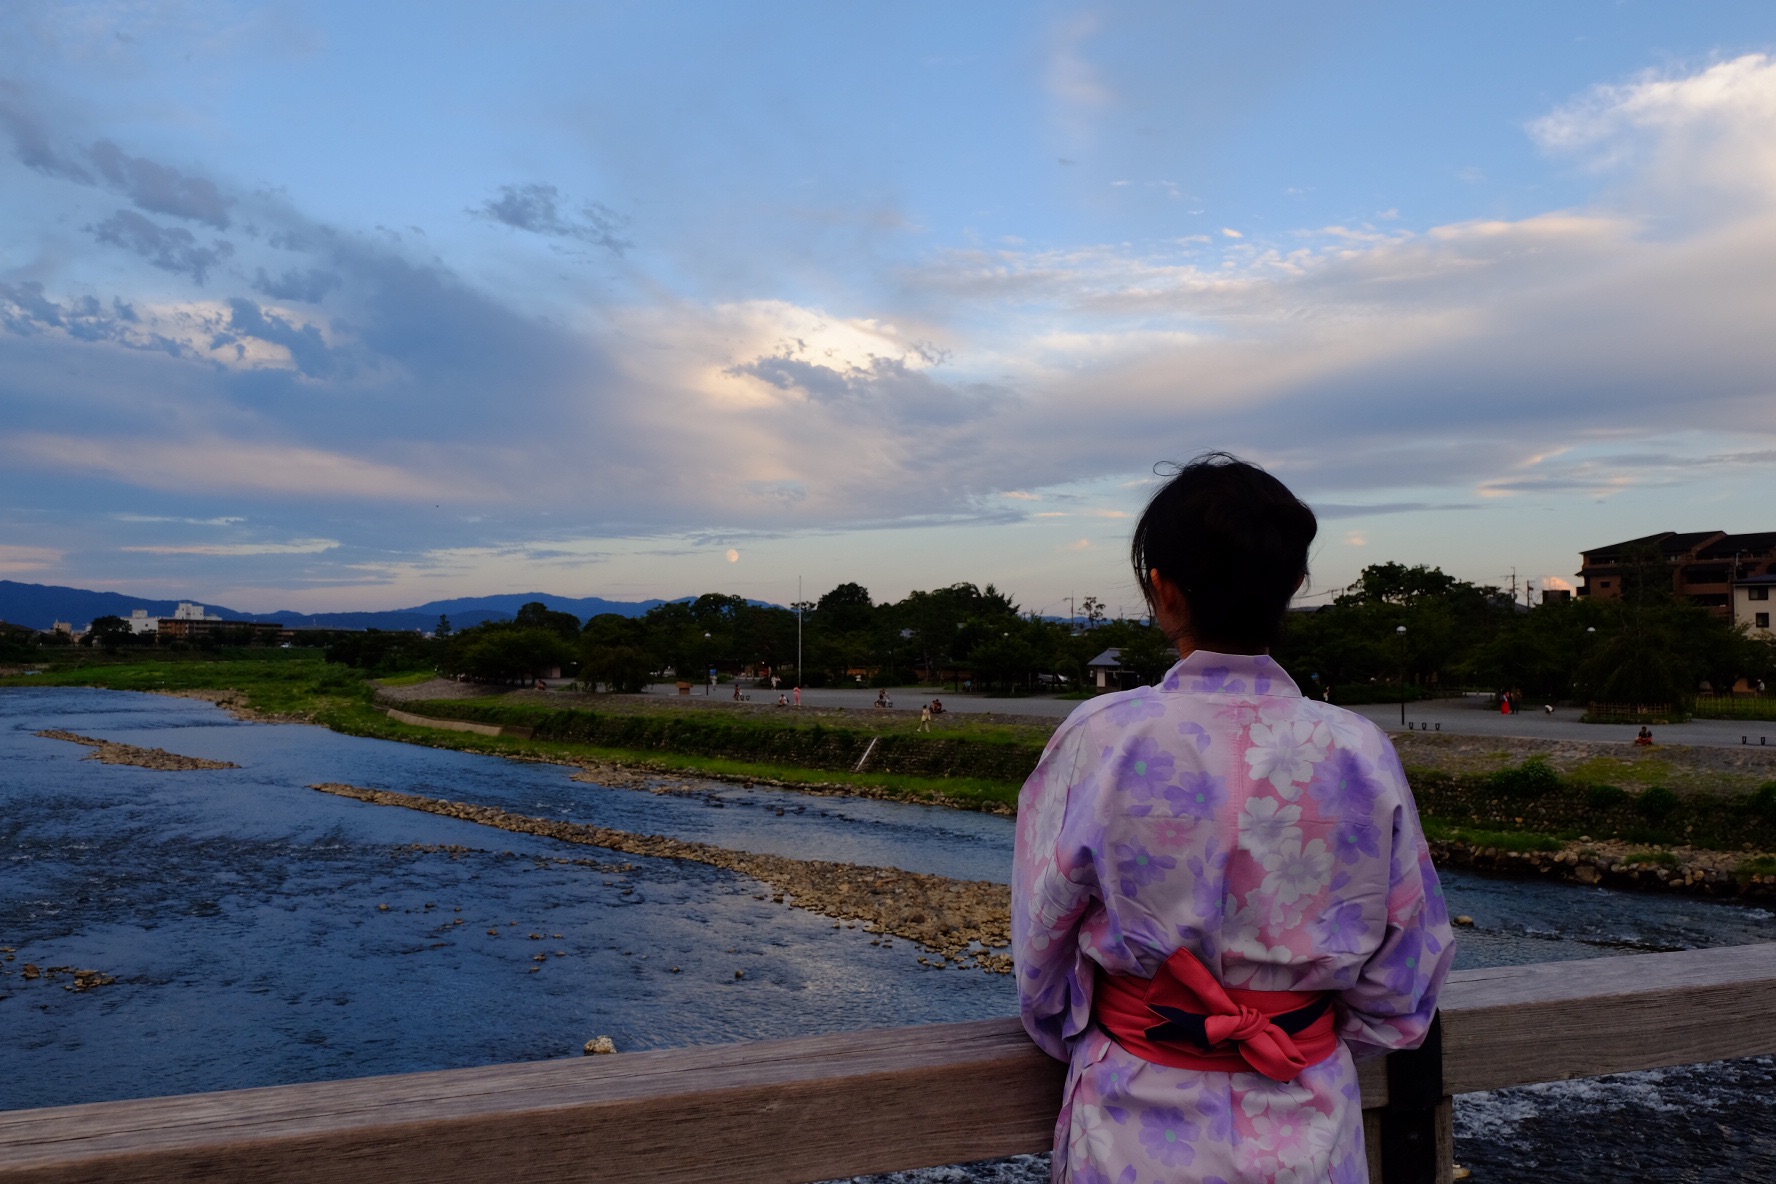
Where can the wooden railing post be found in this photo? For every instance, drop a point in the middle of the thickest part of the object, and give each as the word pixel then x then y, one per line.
pixel 1417 1123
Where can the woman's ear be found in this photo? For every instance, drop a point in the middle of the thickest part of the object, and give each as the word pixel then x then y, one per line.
pixel 1171 608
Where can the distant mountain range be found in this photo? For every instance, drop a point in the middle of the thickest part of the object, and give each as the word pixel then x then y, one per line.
pixel 38 606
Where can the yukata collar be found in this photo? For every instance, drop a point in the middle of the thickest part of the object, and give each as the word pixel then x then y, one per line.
pixel 1205 672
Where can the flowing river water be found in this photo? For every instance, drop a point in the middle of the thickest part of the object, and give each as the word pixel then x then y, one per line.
pixel 260 932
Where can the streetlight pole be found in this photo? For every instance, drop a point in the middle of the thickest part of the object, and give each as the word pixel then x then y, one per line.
pixel 798 681
pixel 1400 632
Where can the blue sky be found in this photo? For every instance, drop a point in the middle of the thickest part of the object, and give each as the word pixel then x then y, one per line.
pixel 329 306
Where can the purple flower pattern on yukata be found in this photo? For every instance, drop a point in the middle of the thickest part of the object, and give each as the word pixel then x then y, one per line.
pixel 1356 841
pixel 1146 772
pixel 1195 731
pixel 1168 1136
pixel 1272 836
pixel 1140 867
pixel 1197 795
pixel 1142 704
pixel 1341 928
pixel 1344 786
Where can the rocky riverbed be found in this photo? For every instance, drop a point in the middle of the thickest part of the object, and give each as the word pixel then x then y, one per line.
pixel 111 753
pixel 1616 864
pixel 966 923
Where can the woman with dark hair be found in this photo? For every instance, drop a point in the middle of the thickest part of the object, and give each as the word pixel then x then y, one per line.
pixel 1221 889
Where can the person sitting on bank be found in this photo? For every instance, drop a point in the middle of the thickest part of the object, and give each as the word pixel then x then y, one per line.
pixel 1220 887
pixel 937 707
pixel 783 700
pixel 1644 737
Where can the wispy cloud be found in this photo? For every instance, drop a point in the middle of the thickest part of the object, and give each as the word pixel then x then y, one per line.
pixel 540 209
pixel 216 463
pixel 16 558
pixel 293 547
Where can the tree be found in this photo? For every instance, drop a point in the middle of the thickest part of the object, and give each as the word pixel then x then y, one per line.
pixel 109 633
pixel 443 630
pixel 537 615
pixel 620 668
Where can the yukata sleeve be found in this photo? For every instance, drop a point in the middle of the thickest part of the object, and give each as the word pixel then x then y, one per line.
pixel 1395 996
pixel 1053 883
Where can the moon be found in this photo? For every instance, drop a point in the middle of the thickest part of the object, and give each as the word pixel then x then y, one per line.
pixel 733 555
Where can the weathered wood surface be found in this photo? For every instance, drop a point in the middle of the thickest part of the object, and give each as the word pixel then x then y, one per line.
pixel 1513 1025
pixel 831 1106
pixel 793 1110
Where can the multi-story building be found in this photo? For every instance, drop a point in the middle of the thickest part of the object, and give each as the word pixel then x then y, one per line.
pixel 1706 566
pixel 1752 601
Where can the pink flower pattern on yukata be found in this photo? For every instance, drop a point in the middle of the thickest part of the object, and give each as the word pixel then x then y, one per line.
pixel 1271 835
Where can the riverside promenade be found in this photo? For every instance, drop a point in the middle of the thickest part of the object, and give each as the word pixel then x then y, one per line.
pixel 1471 715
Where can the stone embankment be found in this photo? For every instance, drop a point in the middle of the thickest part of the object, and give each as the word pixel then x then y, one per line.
pixel 1616 864
pixel 964 922
pixel 111 753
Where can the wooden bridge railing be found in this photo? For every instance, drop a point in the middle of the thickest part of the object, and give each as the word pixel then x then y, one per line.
pixel 833 1106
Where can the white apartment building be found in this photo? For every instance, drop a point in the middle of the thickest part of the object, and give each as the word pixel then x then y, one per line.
pixel 1753 603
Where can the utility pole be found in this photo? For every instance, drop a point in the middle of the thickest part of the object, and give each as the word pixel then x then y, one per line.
pixel 1069 612
pixel 1513 585
pixel 798 686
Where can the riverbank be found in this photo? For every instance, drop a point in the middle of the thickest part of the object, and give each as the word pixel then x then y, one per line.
pixel 1676 818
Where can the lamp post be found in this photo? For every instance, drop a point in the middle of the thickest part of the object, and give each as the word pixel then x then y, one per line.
pixel 1400 632
pixel 708 671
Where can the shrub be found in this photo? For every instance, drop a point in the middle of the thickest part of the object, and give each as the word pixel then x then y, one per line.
pixel 1657 804
pixel 1763 801
pixel 1605 797
pixel 1534 778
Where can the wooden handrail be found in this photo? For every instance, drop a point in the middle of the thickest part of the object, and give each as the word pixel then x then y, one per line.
pixel 832 1106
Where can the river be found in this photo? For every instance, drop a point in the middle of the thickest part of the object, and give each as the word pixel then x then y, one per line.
pixel 260 933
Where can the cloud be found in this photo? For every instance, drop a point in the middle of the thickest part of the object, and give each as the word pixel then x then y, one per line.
pixel 159 189
pixel 538 209
pixel 310 286
pixel 307 348
pixel 230 521
pixel 170 248
pixel 294 547
pixel 15 558
pixel 215 463
pixel 1689 139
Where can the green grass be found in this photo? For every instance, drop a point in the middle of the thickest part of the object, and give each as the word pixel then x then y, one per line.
pixel 1762 865
pixel 1613 770
pixel 406 680
pixel 295 682
pixel 975 792
pixel 952 725
pixel 1504 840
pixel 301 683
pixel 1652 858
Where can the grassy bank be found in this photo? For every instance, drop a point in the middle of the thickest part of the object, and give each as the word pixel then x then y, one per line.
pixel 1525 811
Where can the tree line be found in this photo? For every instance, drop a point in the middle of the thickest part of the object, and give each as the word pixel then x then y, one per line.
pixel 1395 627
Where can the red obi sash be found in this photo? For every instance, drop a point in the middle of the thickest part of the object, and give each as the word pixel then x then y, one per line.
pixel 1183 1018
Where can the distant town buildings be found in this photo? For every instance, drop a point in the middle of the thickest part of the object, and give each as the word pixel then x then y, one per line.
pixel 1730 574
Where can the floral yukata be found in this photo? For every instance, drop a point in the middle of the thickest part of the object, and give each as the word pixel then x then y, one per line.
pixel 1275 838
